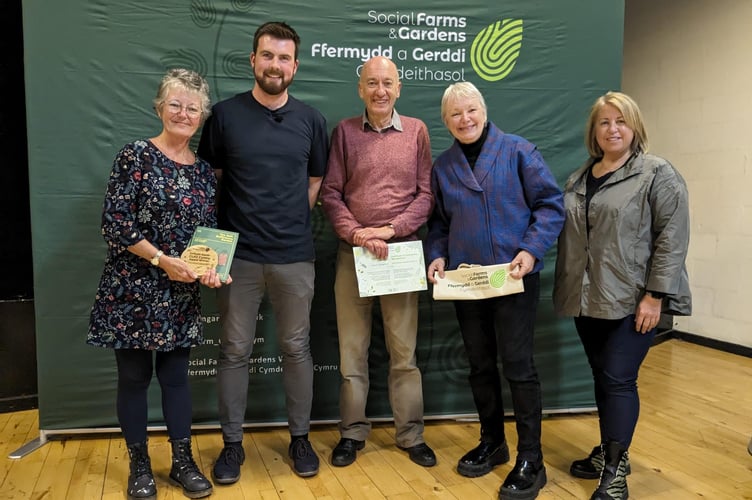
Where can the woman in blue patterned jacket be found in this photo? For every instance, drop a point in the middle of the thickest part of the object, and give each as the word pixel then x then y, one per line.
pixel 496 202
pixel 148 305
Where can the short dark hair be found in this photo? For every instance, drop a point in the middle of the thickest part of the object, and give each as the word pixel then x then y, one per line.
pixel 278 30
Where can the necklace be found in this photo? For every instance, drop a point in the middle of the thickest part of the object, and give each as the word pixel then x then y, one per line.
pixel 183 156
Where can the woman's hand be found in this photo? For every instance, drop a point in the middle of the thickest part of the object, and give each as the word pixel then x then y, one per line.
pixel 177 269
pixel 211 279
pixel 522 264
pixel 648 313
pixel 436 266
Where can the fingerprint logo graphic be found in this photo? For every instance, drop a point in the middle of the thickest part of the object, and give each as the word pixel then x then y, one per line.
pixel 496 48
pixel 498 278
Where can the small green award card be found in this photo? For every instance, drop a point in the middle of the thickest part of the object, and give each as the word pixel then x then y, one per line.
pixel 209 248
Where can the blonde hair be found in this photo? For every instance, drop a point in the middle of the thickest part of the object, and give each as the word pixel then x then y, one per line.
pixel 187 80
pixel 632 117
pixel 461 90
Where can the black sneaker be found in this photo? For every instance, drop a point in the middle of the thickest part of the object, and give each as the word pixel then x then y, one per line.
pixel 227 467
pixel 305 463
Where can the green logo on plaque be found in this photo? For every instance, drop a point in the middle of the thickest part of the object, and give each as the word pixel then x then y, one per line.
pixel 496 48
pixel 498 278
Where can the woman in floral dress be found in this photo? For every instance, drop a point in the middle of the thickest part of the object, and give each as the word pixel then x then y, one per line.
pixel 148 305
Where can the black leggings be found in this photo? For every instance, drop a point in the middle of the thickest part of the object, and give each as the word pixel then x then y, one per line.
pixel 135 368
pixel 615 351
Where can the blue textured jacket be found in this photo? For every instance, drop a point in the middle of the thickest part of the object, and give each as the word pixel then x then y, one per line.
pixel 509 202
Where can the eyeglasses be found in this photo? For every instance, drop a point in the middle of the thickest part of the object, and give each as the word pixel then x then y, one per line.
pixel 175 107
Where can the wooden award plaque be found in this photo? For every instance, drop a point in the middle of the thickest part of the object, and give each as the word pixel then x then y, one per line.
pixel 200 258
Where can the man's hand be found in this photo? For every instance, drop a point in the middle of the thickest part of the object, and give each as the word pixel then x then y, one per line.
pixel 362 235
pixel 377 247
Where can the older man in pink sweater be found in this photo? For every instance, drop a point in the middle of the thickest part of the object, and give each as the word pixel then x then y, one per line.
pixel 377 190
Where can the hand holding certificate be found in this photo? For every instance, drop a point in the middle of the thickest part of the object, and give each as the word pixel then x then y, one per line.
pixel 476 282
pixel 404 270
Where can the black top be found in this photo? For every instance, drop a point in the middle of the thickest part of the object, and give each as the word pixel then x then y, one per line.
pixel 266 158
pixel 473 150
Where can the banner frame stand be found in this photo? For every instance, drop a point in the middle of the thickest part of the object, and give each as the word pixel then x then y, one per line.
pixel 45 435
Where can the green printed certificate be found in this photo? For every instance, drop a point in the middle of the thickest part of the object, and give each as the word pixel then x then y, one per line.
pixel 404 270
pixel 220 241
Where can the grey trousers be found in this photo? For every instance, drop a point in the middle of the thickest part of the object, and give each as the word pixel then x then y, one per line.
pixel 400 315
pixel 290 289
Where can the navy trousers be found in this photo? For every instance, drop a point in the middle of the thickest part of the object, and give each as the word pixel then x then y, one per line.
pixel 615 351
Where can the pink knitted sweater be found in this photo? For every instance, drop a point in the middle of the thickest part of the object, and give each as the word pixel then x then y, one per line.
pixel 376 178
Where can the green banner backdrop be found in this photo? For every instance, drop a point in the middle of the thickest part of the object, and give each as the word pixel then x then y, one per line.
pixel 92 68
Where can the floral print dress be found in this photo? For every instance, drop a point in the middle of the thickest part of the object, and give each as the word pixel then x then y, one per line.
pixel 150 197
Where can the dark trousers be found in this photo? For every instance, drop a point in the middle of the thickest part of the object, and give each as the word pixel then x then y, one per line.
pixel 615 351
pixel 503 328
pixel 135 367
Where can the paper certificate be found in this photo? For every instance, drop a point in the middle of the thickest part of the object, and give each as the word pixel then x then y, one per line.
pixel 404 270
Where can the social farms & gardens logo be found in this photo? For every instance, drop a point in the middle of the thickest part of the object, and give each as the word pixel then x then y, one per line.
pixel 496 48
pixel 498 278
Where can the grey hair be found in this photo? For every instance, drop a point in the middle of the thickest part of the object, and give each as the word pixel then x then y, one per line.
pixel 187 80
pixel 461 90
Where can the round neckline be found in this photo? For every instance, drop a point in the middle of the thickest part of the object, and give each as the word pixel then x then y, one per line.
pixel 195 157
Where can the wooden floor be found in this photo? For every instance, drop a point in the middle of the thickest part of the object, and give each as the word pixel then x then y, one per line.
pixel 691 442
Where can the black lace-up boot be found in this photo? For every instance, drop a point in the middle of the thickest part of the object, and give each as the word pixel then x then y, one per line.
pixel 141 484
pixel 185 472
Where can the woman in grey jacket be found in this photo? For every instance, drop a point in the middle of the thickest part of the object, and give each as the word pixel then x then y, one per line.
pixel 621 262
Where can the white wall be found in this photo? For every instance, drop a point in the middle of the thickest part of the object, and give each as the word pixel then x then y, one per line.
pixel 688 64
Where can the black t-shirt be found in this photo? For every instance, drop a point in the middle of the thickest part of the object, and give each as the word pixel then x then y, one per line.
pixel 266 158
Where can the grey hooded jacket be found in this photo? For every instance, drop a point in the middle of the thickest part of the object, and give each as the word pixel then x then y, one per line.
pixel 638 239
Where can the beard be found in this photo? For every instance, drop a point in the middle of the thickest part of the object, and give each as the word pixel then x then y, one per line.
pixel 272 86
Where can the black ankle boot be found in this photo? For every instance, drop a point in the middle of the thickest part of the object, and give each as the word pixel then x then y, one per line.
pixel 185 472
pixel 141 484
pixel 613 483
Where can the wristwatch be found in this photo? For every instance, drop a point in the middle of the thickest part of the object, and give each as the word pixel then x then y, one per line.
pixel 655 295
pixel 155 260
